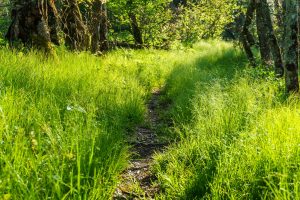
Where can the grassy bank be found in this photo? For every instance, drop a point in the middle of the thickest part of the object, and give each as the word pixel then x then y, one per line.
pixel 238 136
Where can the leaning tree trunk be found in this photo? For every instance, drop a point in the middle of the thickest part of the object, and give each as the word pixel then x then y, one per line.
pixel 29 25
pixel 272 40
pixel 291 45
pixel 135 29
pixel 99 27
pixel 264 47
pixel 73 26
pixel 246 36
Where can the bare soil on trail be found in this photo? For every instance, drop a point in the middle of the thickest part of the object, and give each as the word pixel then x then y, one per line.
pixel 137 179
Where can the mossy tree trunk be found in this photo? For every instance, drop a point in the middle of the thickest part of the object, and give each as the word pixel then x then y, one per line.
pixel 278 12
pixel 264 47
pixel 30 24
pixel 271 38
pixel 99 26
pixel 279 16
pixel 291 45
pixel 246 36
pixel 75 30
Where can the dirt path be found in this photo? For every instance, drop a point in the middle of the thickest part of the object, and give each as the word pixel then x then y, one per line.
pixel 137 180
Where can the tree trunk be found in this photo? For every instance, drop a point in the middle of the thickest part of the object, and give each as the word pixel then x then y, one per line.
pixel 99 27
pixel 279 15
pixel 246 36
pixel 104 46
pixel 135 29
pixel 264 47
pixel 136 32
pixel 272 40
pixel 278 12
pixel 96 18
pixel 29 25
pixel 291 45
pixel 53 22
pixel 73 26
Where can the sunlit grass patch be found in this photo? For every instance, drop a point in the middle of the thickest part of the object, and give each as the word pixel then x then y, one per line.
pixel 238 136
pixel 64 121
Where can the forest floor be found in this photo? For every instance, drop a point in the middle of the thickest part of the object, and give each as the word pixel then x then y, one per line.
pixel 138 180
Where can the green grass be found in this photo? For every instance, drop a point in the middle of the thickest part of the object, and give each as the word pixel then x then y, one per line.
pixel 64 123
pixel 238 138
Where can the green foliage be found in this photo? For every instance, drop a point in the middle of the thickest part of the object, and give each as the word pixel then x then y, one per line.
pixel 205 19
pixel 153 19
pixel 4 20
pixel 161 23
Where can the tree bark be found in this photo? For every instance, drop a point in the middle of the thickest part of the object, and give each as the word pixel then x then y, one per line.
pixel 73 26
pixel 291 45
pixel 53 22
pixel 104 46
pixel 29 25
pixel 278 12
pixel 136 32
pixel 96 18
pixel 265 51
pixel 271 38
pixel 246 36
pixel 99 27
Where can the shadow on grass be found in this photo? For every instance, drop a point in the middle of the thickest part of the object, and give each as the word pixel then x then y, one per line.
pixel 182 86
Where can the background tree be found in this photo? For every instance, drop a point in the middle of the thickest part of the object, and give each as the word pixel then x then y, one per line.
pixel 264 45
pixel 75 30
pixel 268 43
pixel 30 23
pixel 246 35
pixel 99 26
pixel 52 17
pixel 272 41
pixel 135 28
pixel 291 45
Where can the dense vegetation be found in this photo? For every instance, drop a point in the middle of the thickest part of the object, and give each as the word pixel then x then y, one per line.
pixel 76 79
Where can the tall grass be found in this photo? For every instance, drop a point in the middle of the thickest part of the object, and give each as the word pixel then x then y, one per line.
pixel 64 121
pixel 238 137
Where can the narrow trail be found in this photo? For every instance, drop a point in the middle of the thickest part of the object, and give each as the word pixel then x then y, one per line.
pixel 137 180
